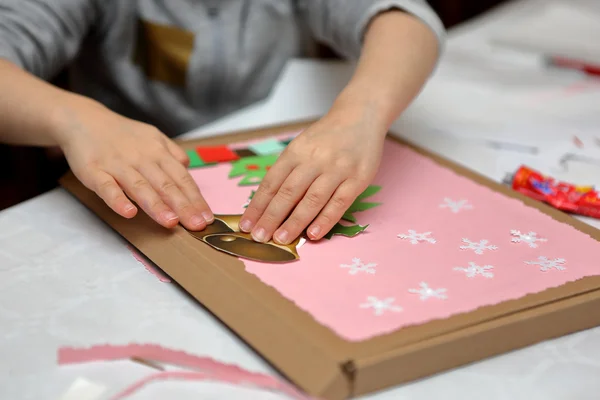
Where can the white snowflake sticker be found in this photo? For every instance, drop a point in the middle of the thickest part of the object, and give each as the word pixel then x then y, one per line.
pixel 426 292
pixel 456 206
pixel 358 266
pixel 530 238
pixel 381 306
pixel 473 270
pixel 415 237
pixel 477 247
pixel 546 264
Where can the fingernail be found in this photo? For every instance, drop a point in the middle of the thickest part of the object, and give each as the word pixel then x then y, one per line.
pixel 246 225
pixel 314 231
pixel 208 217
pixel 282 236
pixel 129 207
pixel 168 216
pixel 259 235
pixel 197 221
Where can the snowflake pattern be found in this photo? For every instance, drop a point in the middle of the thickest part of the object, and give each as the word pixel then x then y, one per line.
pixel 381 306
pixel 547 264
pixel 473 270
pixel 478 247
pixel 415 237
pixel 358 266
pixel 530 238
pixel 426 292
pixel 456 206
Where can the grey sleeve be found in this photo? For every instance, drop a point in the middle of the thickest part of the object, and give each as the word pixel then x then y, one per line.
pixel 43 36
pixel 341 24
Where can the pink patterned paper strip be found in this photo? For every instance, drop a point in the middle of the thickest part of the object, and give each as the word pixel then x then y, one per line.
pixel 438 245
pixel 210 368
pixel 258 383
pixel 149 267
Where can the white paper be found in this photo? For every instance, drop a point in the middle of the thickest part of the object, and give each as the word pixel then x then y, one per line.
pixel 559 29
pixel 83 389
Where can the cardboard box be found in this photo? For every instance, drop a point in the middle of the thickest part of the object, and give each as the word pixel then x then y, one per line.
pixel 314 357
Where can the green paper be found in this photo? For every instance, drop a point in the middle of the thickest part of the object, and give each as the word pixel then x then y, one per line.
pixel 252 176
pixel 250 198
pixel 346 230
pixel 358 205
pixel 195 160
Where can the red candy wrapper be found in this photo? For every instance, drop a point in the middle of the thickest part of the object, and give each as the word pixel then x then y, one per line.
pixel 581 200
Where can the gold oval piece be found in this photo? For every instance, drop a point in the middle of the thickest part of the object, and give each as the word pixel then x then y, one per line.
pixel 224 235
pixel 249 249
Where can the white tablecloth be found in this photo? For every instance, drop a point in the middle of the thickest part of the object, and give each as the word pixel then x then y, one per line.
pixel 67 279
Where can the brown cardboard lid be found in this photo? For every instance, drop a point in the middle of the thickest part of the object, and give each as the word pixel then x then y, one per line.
pixel 308 353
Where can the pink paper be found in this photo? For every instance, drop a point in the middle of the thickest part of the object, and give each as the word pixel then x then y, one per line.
pixel 149 267
pixel 210 368
pixel 397 283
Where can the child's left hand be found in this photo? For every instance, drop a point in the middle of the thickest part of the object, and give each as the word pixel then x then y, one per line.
pixel 317 177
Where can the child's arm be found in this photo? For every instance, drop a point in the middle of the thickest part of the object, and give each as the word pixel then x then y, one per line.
pixel 328 165
pixel 116 157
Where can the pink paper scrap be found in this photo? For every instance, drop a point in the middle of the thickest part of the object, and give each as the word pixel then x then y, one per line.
pixel 148 265
pixel 209 368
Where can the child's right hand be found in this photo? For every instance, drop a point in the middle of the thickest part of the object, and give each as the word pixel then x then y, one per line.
pixel 117 158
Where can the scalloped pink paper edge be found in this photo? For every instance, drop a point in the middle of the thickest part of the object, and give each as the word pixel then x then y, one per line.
pixel 149 267
pixel 211 369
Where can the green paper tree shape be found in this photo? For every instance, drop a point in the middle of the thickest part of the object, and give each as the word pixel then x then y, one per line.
pixel 253 169
pixel 357 206
pixel 250 199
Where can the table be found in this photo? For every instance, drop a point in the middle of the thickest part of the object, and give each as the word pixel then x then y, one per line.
pixel 67 279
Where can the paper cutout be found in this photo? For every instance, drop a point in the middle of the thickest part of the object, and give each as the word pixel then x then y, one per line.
pixel 473 270
pixel 360 205
pixel 211 369
pixel 345 230
pixel 268 146
pixel 415 238
pixel 247 203
pixel 530 238
pixel 412 189
pixel 547 264
pixel 358 266
pixel 195 160
pixel 425 292
pixel 266 383
pixel 224 235
pixel 456 206
pixel 216 154
pixel 356 206
pixel 477 247
pixel 253 169
pixel 381 306
pixel 150 267
pixel 244 153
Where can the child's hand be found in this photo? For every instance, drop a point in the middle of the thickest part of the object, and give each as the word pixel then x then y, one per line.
pixel 316 178
pixel 115 156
